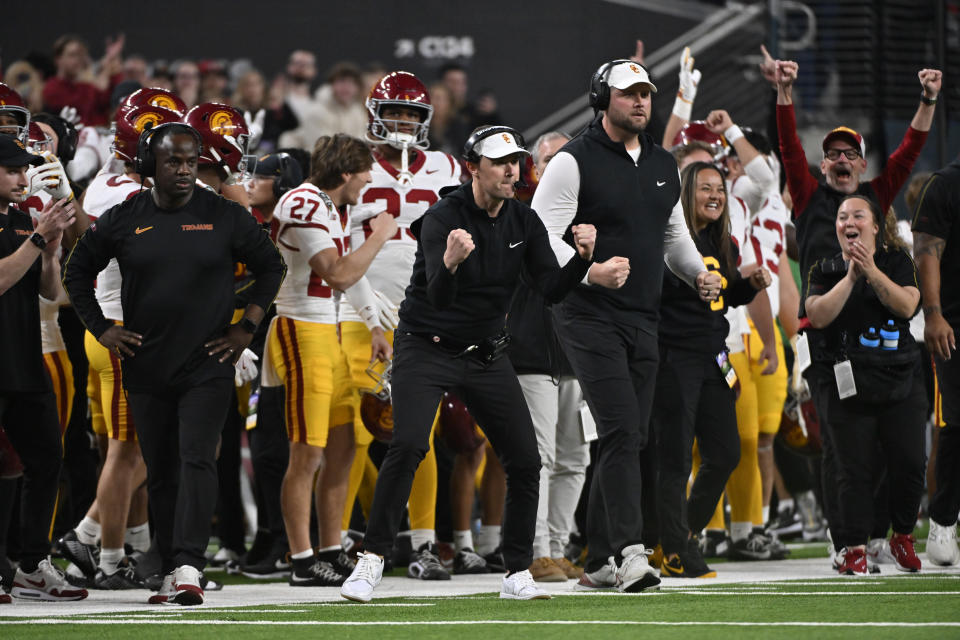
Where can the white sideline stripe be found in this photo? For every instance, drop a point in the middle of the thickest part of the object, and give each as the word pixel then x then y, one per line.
pixel 437 623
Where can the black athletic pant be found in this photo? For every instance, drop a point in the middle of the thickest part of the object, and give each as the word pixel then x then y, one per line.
pixel 178 432
pixel 270 454
pixel 945 505
pixel 229 511
pixel 820 390
pixel 856 428
pixel 32 426
pixel 422 372
pixel 617 369
pixel 692 399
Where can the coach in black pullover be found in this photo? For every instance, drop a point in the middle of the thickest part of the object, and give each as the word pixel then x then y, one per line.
pixel 177 245
pixel 470 249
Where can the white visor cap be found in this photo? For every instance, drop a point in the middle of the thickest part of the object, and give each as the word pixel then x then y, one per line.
pixel 499 145
pixel 626 74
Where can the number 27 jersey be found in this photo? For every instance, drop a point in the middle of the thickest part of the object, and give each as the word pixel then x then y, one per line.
pixel 308 223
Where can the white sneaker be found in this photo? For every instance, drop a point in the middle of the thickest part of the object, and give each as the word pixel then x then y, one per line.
pixel 878 552
pixel 603 578
pixel 46 583
pixel 186 585
pixel 942 545
pixel 520 586
pixel 636 574
pixel 364 579
pixel 166 592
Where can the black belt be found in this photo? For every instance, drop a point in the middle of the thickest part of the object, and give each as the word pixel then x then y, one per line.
pixel 487 350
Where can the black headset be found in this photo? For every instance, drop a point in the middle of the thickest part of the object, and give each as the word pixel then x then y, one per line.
pixel 599 83
pixel 145 162
pixel 469 149
pixel 290 175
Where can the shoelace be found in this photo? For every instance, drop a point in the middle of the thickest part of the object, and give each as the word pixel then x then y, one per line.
pixel 428 559
pixel 48 569
pixel 523 579
pixel 325 571
pixel 365 568
pixel 470 559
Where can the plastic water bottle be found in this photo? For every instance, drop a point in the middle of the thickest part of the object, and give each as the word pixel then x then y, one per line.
pixel 870 339
pixel 890 335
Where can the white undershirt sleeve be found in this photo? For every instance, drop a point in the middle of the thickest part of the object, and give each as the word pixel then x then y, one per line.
pixel 679 251
pixel 556 200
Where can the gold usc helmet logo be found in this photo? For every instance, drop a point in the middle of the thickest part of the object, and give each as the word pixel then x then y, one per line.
pixel 221 123
pixel 144 119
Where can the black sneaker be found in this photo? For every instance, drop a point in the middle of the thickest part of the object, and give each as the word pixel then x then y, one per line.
pixel 778 550
pixel 343 563
pixel 125 577
pixel 716 544
pixel 316 574
pixel 495 562
pixel 753 547
pixel 275 565
pixel 425 564
pixel 468 561
pixel 672 568
pixel 694 566
pixel 85 556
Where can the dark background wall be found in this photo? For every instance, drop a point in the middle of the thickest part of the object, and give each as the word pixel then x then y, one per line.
pixel 537 55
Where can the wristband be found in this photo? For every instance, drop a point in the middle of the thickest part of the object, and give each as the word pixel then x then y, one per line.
pixel 732 134
pixel 927 101
pixel 38 240
pixel 682 107
pixel 247 325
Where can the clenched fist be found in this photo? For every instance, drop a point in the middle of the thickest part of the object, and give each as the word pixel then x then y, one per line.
pixel 459 246
pixel 709 285
pixel 760 279
pixel 584 239
pixel 384 225
pixel 718 121
pixel 612 273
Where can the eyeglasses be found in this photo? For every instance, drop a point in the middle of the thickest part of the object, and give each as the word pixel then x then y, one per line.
pixel 834 154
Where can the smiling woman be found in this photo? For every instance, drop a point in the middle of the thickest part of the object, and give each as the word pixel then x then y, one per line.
pixel 879 395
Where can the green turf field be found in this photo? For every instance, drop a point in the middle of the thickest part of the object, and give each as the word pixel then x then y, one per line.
pixel 889 606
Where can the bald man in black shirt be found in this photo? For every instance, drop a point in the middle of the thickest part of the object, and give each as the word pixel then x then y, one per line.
pixel 177 245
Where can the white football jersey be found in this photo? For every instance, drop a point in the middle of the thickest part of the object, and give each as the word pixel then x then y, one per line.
pixel 308 223
pixel 767 236
pixel 389 273
pixel 50 337
pixel 737 316
pixel 104 192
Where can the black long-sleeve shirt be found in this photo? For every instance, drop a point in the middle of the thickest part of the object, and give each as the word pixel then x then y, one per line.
pixel 686 321
pixel 471 304
pixel 178 275
pixel 21 352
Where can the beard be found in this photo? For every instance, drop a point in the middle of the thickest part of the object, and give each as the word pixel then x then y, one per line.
pixel 624 122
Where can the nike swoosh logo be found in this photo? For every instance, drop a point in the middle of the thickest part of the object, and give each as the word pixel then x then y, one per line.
pixel 138 230
pixel 660 184
pixel 429 171
pixel 514 245
pixel 38 585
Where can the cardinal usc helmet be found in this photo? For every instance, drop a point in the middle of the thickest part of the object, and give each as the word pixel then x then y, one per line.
pixel 153 97
pixel 132 123
pixel 38 141
pixel 800 436
pixel 14 115
pixel 457 427
pixel 403 89
pixel 376 407
pixel 697 131
pixel 224 134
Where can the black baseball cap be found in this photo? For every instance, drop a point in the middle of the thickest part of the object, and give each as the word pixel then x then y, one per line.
pixel 274 165
pixel 13 153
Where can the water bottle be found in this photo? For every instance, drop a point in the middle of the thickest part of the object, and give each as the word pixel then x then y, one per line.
pixel 870 339
pixel 890 335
